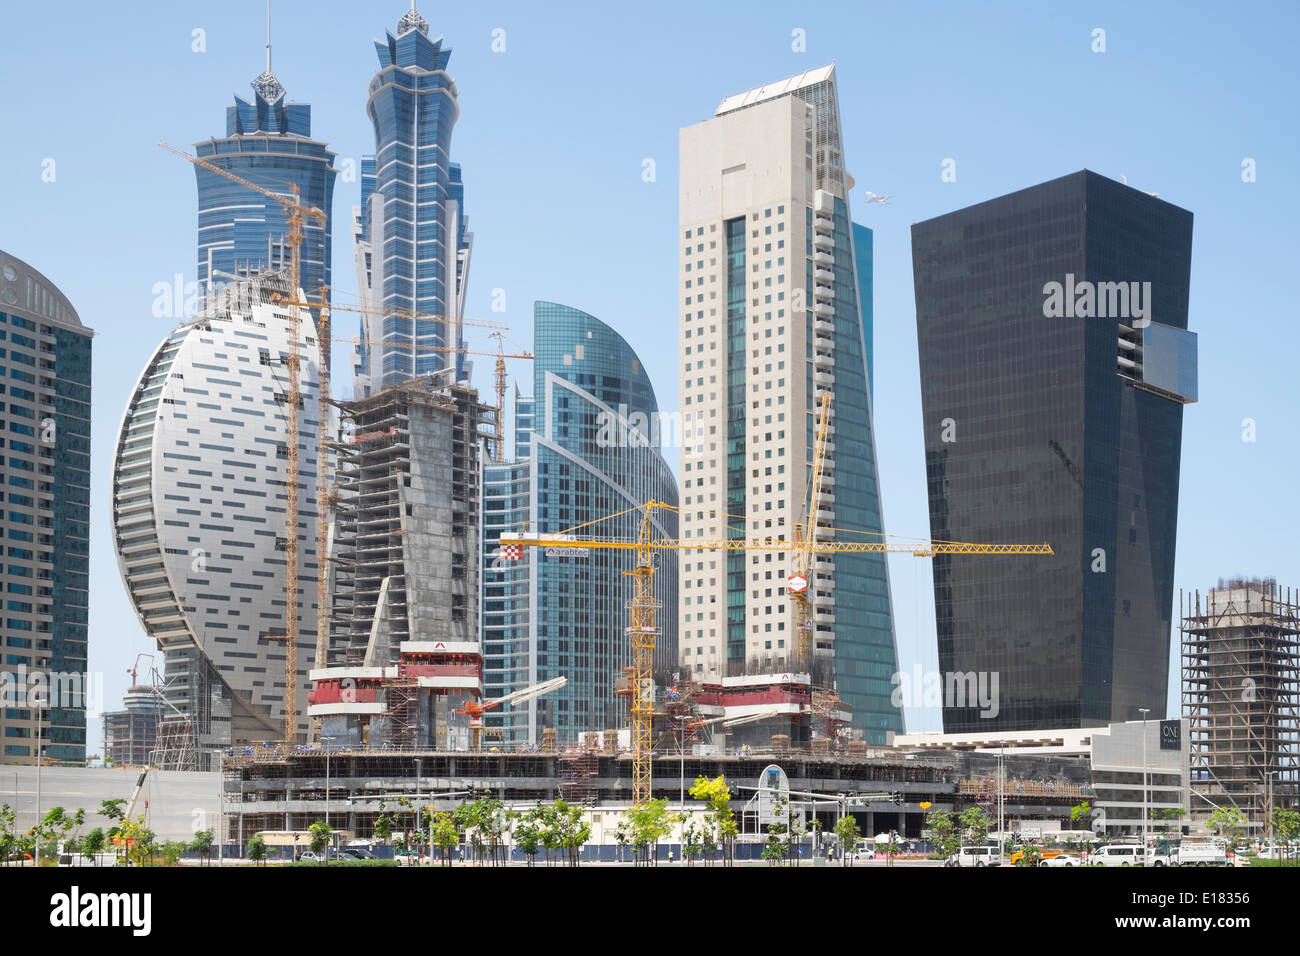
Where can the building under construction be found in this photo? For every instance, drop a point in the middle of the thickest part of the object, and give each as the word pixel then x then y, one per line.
pixel 403 652
pixel 130 734
pixel 1241 696
pixel 270 789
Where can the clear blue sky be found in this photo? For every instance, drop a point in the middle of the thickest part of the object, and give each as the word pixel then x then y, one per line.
pixel 552 137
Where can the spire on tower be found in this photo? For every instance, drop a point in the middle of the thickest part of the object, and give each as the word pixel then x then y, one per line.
pixel 267 86
pixel 411 20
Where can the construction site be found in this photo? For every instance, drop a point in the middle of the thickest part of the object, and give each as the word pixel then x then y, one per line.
pixel 270 789
pixel 394 696
pixel 1241 696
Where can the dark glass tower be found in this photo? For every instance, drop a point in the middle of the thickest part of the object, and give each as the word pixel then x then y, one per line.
pixel 1053 406
pixel 268 142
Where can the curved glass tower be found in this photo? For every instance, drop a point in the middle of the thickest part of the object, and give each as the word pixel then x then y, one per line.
pixel 411 241
pixel 587 445
pixel 268 141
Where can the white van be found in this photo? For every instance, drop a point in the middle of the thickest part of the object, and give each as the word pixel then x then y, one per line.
pixel 1118 854
pixel 975 856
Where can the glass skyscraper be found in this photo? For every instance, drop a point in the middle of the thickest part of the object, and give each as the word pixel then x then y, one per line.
pixel 268 142
pixel 587 445
pixel 1055 363
pixel 45 417
pixel 775 311
pixel 410 234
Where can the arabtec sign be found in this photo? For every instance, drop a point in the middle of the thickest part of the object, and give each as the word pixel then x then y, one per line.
pixel 797 583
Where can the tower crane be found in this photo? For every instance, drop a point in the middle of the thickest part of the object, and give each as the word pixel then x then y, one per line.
pixel 475 710
pixel 296 213
pixel 642 627
pixel 805 535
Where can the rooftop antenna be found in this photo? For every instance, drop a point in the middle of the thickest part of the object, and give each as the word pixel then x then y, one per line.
pixel 266 85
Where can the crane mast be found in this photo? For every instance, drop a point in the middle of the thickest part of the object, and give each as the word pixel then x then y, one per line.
pixel 805 538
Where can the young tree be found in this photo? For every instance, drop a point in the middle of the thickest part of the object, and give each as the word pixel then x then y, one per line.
pixel 717 795
pixel 649 823
pixel 171 852
pixel 113 811
pixel 1286 825
pixel 445 834
pixel 1227 822
pixel 383 827
pixel 202 843
pixel 944 832
pixel 975 826
pixel 1081 813
pixel 527 833
pixel 572 832
pixel 257 850
pixel 92 844
pixel 321 835
pixel 848 833
pixel 8 832
pixel 138 840
pixel 621 836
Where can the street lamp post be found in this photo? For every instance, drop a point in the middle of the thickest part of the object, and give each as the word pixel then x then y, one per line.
pixel 36 844
pixel 1146 793
pixel 417 813
pixel 1002 799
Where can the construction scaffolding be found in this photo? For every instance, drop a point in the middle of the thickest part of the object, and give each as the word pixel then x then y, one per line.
pixel 375 515
pixel 1241 696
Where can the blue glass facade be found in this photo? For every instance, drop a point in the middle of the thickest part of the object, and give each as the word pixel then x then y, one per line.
pixel 412 227
pixel 45 372
pixel 865 655
pixel 591 435
pixel 268 142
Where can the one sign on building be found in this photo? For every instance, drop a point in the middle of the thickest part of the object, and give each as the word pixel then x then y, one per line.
pixel 1171 735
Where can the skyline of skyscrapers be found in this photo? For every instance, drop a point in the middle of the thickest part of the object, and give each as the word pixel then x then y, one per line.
pixel 45 415
pixel 773 316
pixel 1055 362
pixel 587 446
pixel 410 234
pixel 763 184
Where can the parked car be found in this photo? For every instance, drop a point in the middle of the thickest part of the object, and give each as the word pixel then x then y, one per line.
pixel 1118 854
pixel 975 856
pixel 1063 859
